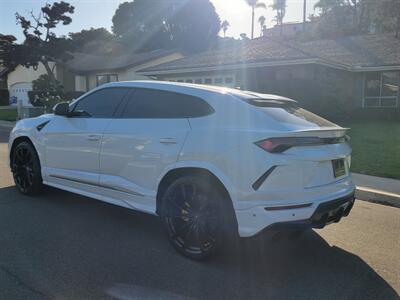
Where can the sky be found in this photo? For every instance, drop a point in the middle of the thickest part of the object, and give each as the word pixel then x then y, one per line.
pixel 98 13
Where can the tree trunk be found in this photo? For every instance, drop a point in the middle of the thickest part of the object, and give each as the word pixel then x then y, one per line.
pixel 252 22
pixel 49 71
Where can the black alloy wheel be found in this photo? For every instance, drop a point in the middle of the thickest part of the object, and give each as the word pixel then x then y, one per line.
pixel 192 214
pixel 25 167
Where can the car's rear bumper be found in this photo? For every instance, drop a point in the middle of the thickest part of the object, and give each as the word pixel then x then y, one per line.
pixel 326 213
pixel 313 215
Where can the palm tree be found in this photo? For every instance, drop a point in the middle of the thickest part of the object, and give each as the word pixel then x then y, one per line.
pixel 280 7
pixel 224 26
pixel 261 20
pixel 254 4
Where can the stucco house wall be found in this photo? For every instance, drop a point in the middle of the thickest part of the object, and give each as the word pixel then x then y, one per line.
pixel 19 81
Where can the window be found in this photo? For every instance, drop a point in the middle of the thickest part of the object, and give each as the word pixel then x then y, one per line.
pixel 146 103
pixel 208 81
pixel 198 81
pixel 228 80
pixel 218 81
pixel 381 89
pixel 189 81
pixel 103 103
pixel 106 78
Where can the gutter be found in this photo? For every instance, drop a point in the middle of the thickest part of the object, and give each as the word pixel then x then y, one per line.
pixel 232 67
pixel 246 65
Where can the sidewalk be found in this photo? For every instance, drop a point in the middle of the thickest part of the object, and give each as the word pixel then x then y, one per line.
pixel 377 189
pixel 7 124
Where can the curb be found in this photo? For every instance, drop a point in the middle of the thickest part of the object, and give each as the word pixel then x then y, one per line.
pixel 8 124
pixel 377 196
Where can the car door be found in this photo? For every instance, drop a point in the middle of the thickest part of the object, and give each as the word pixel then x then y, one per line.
pixel 73 143
pixel 145 141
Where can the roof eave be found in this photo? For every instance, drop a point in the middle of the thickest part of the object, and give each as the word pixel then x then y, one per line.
pixel 375 68
pixel 245 65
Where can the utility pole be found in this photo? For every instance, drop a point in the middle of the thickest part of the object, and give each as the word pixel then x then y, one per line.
pixel 304 14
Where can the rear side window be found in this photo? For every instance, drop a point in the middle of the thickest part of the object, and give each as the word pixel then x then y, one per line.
pixel 147 103
pixel 286 111
pixel 103 103
pixel 295 115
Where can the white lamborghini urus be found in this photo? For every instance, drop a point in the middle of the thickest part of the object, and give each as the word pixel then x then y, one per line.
pixel 211 162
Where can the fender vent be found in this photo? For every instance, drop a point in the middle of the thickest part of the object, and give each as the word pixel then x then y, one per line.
pixel 41 126
pixel 256 185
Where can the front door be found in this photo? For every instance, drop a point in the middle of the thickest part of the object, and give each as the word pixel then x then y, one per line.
pixel 73 143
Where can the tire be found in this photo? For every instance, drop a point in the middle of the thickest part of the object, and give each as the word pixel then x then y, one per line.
pixel 198 216
pixel 25 166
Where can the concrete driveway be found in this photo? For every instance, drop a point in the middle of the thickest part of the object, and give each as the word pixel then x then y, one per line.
pixel 64 246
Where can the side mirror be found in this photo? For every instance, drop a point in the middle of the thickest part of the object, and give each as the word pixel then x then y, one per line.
pixel 61 109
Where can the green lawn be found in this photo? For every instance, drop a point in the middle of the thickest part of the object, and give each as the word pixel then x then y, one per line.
pixel 8 114
pixel 376 148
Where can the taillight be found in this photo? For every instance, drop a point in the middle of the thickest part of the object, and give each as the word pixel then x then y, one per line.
pixel 278 145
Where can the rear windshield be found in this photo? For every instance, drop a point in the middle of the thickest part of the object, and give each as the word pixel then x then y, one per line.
pixel 287 111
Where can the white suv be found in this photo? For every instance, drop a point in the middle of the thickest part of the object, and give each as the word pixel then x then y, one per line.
pixel 211 162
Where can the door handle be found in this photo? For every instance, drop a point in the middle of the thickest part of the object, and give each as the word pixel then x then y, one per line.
pixel 167 141
pixel 93 137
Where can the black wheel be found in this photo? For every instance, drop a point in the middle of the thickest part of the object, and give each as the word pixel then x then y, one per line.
pixel 196 216
pixel 25 167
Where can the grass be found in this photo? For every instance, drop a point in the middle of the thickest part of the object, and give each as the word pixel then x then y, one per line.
pixel 376 148
pixel 9 114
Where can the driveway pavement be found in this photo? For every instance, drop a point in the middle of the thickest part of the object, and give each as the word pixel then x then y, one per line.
pixel 64 246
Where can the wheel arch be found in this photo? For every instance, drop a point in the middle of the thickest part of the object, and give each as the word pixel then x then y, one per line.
pixel 175 173
pixel 16 141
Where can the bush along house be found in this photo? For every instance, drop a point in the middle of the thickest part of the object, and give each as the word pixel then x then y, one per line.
pixel 333 77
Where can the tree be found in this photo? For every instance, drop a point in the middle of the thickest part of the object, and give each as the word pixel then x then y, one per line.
pixel 261 20
pixel 192 25
pixel 280 7
pixel 244 37
pixel 224 26
pixel 41 44
pixel 90 38
pixel 390 10
pixel 254 4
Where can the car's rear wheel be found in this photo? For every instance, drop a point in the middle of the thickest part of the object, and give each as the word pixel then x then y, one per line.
pixel 195 216
pixel 25 166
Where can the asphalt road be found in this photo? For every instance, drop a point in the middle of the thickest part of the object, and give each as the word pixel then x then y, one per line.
pixel 64 246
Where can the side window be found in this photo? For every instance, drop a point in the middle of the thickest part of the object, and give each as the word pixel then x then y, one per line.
pixel 146 103
pixel 103 103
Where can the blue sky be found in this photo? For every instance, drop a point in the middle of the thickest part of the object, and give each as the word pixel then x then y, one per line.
pixel 98 13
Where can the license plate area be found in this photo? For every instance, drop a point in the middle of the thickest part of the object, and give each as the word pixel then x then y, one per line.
pixel 339 168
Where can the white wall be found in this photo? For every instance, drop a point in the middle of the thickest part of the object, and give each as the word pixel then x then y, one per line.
pixel 22 74
pixel 20 80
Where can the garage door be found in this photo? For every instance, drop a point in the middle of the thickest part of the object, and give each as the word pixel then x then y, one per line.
pixel 20 91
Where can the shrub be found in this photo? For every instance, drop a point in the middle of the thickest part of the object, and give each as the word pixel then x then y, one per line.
pixel 4 97
pixel 45 93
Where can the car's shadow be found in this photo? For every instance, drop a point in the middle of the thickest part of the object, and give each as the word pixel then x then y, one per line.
pixel 68 246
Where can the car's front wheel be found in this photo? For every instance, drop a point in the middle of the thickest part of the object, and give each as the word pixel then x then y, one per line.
pixel 195 216
pixel 25 166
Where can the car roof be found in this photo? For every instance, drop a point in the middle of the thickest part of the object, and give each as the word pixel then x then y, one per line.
pixel 175 86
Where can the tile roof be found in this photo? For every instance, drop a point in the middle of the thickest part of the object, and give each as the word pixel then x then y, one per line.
pixel 349 52
pixel 82 62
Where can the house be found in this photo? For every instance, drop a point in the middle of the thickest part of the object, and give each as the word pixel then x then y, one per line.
pixel 289 28
pixel 346 73
pixel 89 70
pixel 86 71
